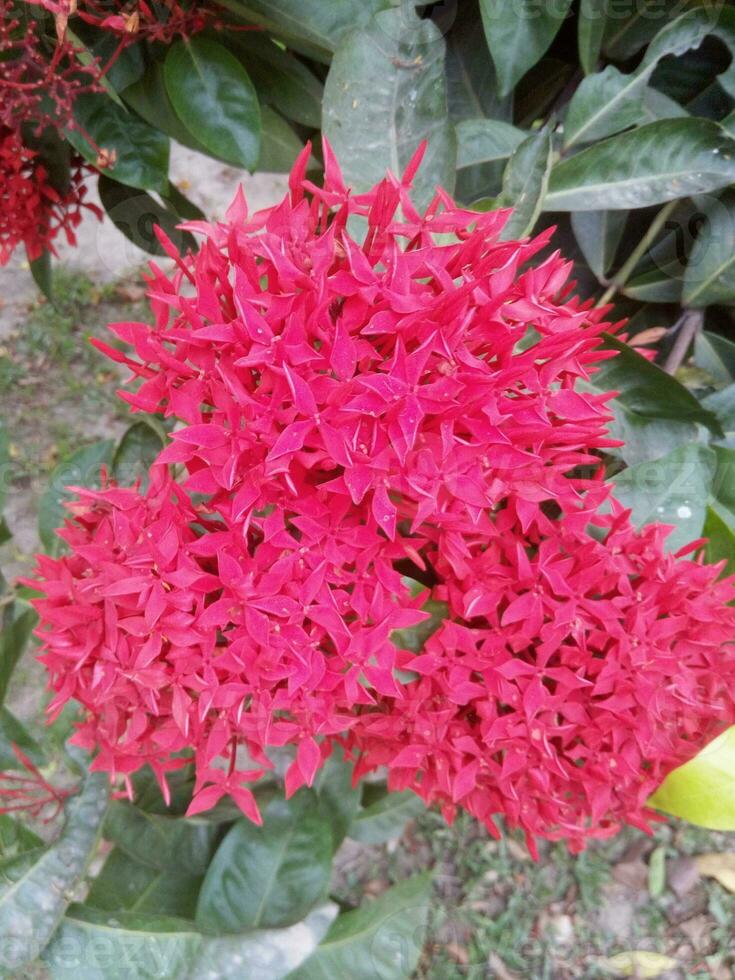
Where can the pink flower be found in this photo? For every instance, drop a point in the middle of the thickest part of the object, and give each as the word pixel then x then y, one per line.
pixel 356 416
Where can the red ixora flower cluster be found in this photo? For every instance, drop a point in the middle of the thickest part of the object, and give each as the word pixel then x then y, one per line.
pixel 32 211
pixel 356 414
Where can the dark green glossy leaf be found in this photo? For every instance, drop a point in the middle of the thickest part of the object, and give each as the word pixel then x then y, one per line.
pixel 141 152
pixel 590 31
pixel 610 101
pixel 41 272
pixel 271 875
pixel 136 214
pixel 385 93
pixel 96 945
pixel 635 22
pixel 653 286
pixel 181 205
pixel 162 842
pixel 270 954
pixel 35 888
pixel 386 818
pixel 340 799
pixel 279 144
pixel 125 884
pixel 12 732
pixel 472 90
pixel 136 452
pixel 710 273
pixel 281 79
pixel 661 161
pixel 214 99
pixel 648 391
pixel 673 489
pixel 149 99
pixel 312 27
pixel 519 34
pixel 81 469
pixel 382 939
pixel 525 181
pixel 598 234
pixel 715 355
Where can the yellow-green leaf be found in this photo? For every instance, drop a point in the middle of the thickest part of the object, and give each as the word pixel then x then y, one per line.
pixel 639 963
pixel 702 791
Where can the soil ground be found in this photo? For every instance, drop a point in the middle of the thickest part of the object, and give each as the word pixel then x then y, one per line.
pixel 495 913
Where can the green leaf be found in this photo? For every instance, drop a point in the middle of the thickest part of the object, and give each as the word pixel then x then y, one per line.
pixel 598 235
pixel 609 101
pixel 15 839
pixel 96 945
pixel 214 99
pixel 661 161
pixel 159 841
pixel 270 954
pixel 648 391
pixel 720 534
pixel 673 489
pixel 125 884
pixel 181 204
pixel 135 214
pixel 136 452
pixel 312 27
pixel 485 140
pixel 702 791
pixel 715 355
pixel 605 103
pixel 472 91
pixel 626 35
pixel 16 632
pixel 279 144
pixel 35 888
pixel 709 276
pixel 12 732
pixel 525 181
pixel 149 99
pixel 519 34
pixel 81 469
pixel 339 798
pixel 590 31
pixel 270 875
pixel 386 818
pixel 141 152
pixel 657 872
pixel 653 286
pixel 381 939
pixel 385 93
pixel 41 272
pixel 280 79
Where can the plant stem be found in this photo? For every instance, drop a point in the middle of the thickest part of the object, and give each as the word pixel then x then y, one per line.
pixel 689 325
pixel 621 276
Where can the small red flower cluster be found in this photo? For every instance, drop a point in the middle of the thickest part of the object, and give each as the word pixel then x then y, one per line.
pixel 38 89
pixel 159 20
pixel 37 93
pixel 357 414
pixel 32 211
